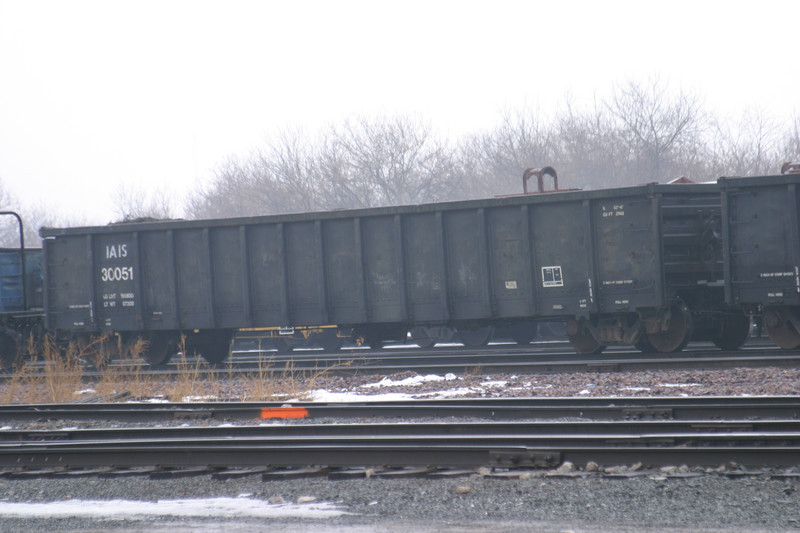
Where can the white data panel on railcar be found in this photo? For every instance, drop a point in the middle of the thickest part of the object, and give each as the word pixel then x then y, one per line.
pixel 551 276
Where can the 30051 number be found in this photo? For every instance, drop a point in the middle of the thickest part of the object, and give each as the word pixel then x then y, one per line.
pixel 116 274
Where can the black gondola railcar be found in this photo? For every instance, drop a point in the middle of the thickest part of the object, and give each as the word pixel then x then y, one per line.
pixel 638 265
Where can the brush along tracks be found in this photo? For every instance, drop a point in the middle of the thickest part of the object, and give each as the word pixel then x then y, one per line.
pixel 531 359
pixel 771 439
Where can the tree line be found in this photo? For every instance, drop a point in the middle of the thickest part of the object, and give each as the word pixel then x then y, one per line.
pixel 641 133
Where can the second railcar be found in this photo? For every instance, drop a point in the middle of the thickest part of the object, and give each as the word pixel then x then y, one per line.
pixel 762 251
pixel 638 265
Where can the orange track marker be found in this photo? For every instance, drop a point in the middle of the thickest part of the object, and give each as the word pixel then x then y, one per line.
pixel 284 412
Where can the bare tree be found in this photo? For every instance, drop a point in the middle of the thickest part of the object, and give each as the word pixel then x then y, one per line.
pixel 239 188
pixel 498 158
pixel 791 140
pixel 660 130
pixel 749 147
pixel 360 163
pixel 390 161
pixel 589 149
pixel 134 203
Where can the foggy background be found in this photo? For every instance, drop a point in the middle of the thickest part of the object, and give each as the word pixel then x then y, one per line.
pixel 198 109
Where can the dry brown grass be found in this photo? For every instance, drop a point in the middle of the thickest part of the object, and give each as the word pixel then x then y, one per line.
pixel 60 379
pixel 125 377
pixel 195 381
pixel 288 383
pixel 258 385
pixel 61 376
pixel 23 386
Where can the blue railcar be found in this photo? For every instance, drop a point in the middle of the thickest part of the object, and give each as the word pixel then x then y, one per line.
pixel 20 283
pixel 21 297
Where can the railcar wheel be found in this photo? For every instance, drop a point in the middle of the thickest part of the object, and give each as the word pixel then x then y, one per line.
pixel 427 337
pixel 781 329
pixel 474 338
pixel 282 345
pixel 375 343
pixel 643 344
pixel 553 330
pixel 161 347
pixel 9 351
pixel 523 332
pixel 331 345
pixel 678 333
pixel 329 341
pixel 214 347
pixel 734 331
pixel 422 337
pixel 584 343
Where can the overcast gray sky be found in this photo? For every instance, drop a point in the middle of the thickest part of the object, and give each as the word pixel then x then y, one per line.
pixel 95 94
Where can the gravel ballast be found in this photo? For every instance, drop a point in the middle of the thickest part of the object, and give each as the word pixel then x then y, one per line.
pixel 646 501
pixel 465 503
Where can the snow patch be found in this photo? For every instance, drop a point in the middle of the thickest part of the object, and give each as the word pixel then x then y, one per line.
pixel 322 395
pixel 195 399
pixel 210 507
pixel 449 393
pixel 410 382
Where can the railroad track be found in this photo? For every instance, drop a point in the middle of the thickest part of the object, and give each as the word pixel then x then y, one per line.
pixel 549 358
pixel 617 408
pixel 508 358
pixel 771 439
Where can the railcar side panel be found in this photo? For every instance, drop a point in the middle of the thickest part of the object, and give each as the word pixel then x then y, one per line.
pixel 383 269
pixel 627 243
pixel 425 267
pixel 266 246
pixel 116 275
pixel 69 283
pixel 467 264
pixel 305 278
pixel 195 286
pixel 158 299
pixel 230 277
pixel 510 262
pixel 344 271
pixel 560 241
pixel 762 240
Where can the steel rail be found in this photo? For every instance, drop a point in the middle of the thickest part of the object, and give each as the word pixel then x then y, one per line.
pixel 441 450
pixel 618 408
pixel 618 430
